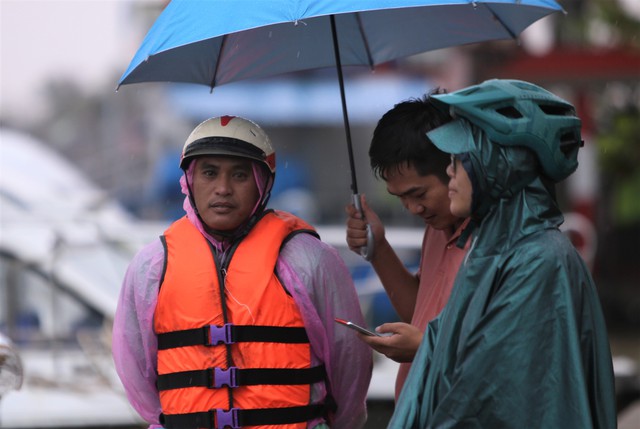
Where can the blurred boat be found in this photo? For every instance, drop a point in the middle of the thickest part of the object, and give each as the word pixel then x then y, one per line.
pixel 63 253
pixel 11 372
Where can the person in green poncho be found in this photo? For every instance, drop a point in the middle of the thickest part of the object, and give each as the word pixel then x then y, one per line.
pixel 522 342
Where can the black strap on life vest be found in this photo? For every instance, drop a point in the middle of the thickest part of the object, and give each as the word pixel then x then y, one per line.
pixel 211 335
pixel 215 378
pixel 236 418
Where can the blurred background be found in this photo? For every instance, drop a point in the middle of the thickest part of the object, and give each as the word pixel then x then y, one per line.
pixel 88 174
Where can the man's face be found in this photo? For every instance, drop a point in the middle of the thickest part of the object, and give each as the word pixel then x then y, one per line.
pixel 423 196
pixel 224 190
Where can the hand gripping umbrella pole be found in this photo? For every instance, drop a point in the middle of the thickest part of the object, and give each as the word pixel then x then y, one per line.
pixel 365 251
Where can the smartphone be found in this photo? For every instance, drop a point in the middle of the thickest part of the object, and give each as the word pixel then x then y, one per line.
pixel 358 328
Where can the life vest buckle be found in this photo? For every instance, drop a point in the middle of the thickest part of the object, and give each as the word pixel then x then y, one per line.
pixel 219 377
pixel 220 334
pixel 225 419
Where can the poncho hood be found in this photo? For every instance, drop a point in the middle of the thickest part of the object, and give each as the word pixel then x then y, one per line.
pixel 511 198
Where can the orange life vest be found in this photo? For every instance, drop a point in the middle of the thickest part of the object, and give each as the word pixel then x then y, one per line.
pixel 232 348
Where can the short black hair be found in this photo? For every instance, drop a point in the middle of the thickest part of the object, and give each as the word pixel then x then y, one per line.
pixel 400 139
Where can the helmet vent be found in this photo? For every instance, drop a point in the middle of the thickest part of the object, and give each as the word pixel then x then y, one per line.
pixel 509 112
pixel 569 141
pixel 556 110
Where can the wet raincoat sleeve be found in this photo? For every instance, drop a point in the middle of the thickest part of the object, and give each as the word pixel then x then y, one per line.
pixel 527 350
pixel 322 286
pixel 135 344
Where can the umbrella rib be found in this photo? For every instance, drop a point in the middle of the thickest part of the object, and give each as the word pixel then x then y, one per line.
pixel 215 72
pixel 511 33
pixel 365 41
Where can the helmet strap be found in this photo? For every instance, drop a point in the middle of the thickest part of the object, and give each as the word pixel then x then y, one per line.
pixel 550 186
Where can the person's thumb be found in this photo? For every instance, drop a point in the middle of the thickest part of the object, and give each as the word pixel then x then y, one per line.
pixel 367 210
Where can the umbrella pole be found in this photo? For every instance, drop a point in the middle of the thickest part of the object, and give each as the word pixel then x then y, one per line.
pixel 345 116
pixel 366 251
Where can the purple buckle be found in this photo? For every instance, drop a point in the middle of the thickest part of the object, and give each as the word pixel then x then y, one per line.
pixel 220 334
pixel 223 377
pixel 226 419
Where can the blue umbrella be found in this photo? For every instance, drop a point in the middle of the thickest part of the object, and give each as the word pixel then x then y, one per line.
pixel 220 41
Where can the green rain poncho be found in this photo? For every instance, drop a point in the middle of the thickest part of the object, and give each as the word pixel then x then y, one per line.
pixel 522 342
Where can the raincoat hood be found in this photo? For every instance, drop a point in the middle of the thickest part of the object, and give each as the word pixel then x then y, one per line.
pixel 505 180
pixel 263 182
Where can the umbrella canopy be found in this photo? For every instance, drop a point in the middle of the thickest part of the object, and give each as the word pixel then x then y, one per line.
pixel 221 41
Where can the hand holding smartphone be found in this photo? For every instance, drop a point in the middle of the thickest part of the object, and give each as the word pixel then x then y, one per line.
pixel 358 328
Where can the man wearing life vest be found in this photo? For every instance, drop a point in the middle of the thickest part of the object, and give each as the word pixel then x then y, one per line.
pixel 227 321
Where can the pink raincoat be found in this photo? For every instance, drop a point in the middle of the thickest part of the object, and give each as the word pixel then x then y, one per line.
pixel 314 275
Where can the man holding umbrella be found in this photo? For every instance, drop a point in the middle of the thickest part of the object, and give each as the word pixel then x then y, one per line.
pixel 414 171
pixel 228 319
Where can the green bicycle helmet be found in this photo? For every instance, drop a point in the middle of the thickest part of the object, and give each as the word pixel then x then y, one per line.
pixel 518 113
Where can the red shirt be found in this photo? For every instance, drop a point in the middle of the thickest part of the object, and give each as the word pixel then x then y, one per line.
pixel 439 263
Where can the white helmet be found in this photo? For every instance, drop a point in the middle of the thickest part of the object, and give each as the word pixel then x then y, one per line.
pixel 231 136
